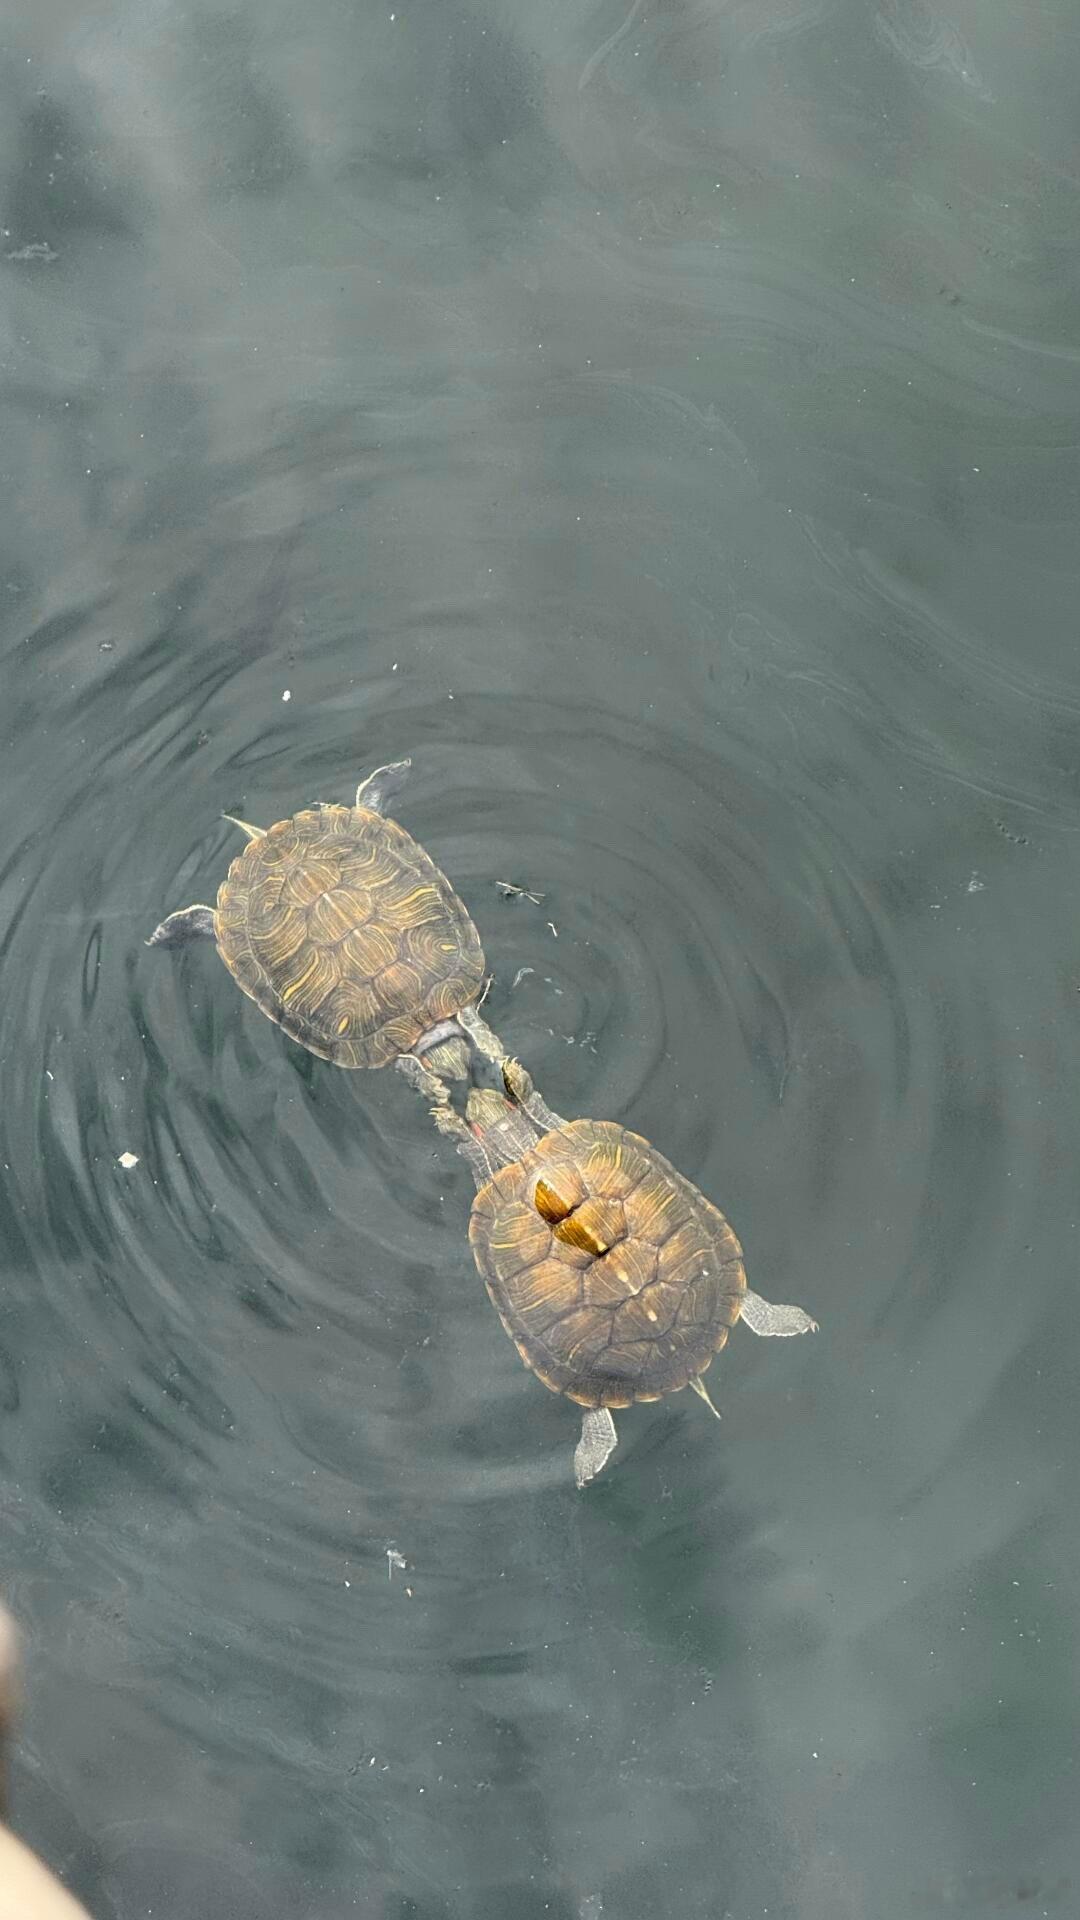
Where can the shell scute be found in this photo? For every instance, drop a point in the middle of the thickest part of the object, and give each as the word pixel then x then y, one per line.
pixel 597 1225
pixel 545 1294
pixel 338 912
pixel 620 1274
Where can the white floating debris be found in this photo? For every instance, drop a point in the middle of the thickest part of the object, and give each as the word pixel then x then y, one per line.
pixel 975 885
pixel 37 250
pixel 286 695
pixel 511 891
pixel 394 1559
pixel 127 1161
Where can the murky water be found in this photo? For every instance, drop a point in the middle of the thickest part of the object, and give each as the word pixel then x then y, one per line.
pixel 660 421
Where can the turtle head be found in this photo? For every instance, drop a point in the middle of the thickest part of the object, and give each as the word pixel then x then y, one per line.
pixel 502 1129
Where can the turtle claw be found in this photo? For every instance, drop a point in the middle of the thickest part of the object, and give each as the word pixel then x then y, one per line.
pixel 517 1080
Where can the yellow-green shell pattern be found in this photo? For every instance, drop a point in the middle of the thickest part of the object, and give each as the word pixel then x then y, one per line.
pixel 614 1277
pixel 346 933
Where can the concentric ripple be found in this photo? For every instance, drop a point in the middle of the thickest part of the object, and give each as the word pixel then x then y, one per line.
pixel 281 1361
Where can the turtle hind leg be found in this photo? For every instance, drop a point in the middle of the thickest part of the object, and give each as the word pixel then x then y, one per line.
pixel 596 1446
pixel 447 1120
pixel 483 1038
pixel 379 788
pixel 519 1087
pixel 763 1317
pixel 422 1080
pixel 190 923
pixel 445 1049
pixel 516 1080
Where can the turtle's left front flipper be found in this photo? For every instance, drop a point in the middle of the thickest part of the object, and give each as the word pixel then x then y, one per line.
pixel 191 923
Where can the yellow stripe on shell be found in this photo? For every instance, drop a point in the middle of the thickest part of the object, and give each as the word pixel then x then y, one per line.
pixel 398 987
pixel 308 880
pixel 310 989
pixel 419 907
pixel 339 911
pixel 367 951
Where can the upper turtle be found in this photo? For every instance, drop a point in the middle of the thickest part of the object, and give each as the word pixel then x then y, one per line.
pixel 343 930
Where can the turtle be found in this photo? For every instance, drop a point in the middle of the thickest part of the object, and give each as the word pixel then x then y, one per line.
pixel 616 1279
pixel 342 929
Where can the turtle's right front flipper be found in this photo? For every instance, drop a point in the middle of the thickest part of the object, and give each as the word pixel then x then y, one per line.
pixel 190 923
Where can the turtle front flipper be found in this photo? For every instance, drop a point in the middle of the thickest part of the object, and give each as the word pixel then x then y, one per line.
pixel 190 923
pixel 596 1446
pixel 762 1317
pixel 379 788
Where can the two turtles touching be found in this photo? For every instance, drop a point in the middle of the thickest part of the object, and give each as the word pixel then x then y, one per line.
pixel 613 1275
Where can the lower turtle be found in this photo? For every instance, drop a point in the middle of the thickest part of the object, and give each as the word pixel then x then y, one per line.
pixel 346 933
pixel 616 1279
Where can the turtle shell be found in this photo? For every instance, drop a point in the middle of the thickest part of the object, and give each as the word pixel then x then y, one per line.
pixel 614 1277
pixel 347 934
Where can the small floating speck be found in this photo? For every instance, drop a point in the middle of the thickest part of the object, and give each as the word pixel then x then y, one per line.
pixel 286 695
pixel 127 1161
